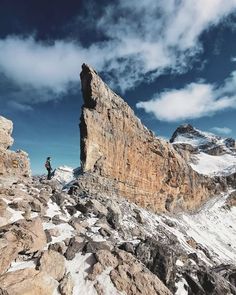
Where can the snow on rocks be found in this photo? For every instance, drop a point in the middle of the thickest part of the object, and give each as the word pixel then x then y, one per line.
pixel 181 287
pixel 16 265
pixel 113 246
pixel 64 174
pixel 209 154
pixel 221 165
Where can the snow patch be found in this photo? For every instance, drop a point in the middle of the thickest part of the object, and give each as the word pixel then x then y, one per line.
pixel 64 175
pixel 214 165
pixel 192 140
pixel 79 268
pixel 180 287
pixel 16 215
pixel 66 231
pixel 21 265
pixel 213 227
pixel 107 286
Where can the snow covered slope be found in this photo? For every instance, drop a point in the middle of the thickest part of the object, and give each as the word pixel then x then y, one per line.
pixel 222 165
pixel 210 154
pixel 204 141
pixel 65 174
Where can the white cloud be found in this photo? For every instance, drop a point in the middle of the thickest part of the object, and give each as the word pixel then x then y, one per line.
pixel 39 65
pixel 161 34
pixel 142 36
pixel 19 106
pixel 222 130
pixel 194 101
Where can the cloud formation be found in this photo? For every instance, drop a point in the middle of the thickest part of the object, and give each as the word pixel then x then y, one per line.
pixel 222 130
pixel 142 40
pixel 19 106
pixel 40 65
pixel 194 101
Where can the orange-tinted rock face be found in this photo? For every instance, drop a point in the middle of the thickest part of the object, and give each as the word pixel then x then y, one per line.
pixel 14 166
pixel 115 146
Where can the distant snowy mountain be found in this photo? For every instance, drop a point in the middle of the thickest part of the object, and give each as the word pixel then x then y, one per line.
pixel 209 154
pixel 65 174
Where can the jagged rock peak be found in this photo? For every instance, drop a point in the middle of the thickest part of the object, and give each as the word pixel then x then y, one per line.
pixel 184 129
pixel 127 160
pixel 203 141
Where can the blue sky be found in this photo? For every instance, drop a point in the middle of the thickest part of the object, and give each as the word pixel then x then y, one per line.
pixel 172 61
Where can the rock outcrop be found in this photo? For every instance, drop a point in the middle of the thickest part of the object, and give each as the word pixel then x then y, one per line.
pixel 186 136
pixel 6 128
pixel 28 281
pixel 127 159
pixel 14 166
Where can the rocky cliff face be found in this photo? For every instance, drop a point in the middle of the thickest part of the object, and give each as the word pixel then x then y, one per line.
pixel 14 166
pixel 128 158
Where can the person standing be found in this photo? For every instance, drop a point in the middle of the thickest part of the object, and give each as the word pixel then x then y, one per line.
pixel 49 168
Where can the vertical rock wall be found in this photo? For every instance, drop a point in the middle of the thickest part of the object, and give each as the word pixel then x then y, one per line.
pixel 14 166
pixel 117 148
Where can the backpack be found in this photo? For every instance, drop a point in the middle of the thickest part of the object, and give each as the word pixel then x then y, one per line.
pixel 47 165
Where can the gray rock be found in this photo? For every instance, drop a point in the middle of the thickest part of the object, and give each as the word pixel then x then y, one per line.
pixel 56 220
pixel 58 247
pixel 128 247
pixel 59 198
pixel 114 215
pixel 48 236
pixel 93 247
pixel 66 285
pixel 160 259
pixel 76 245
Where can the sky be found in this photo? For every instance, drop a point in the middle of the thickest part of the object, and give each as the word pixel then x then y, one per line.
pixel 173 62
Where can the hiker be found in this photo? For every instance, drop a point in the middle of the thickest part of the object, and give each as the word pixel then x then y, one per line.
pixel 49 168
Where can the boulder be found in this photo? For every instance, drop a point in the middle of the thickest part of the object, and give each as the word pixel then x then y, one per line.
pixel 14 166
pixel 23 236
pixel 114 215
pixel 66 285
pixel 28 281
pixel 28 236
pixel 78 225
pixel 76 245
pixel 106 258
pixel 52 263
pixel 127 274
pixel 93 246
pixel 132 278
pixel 128 247
pixel 59 198
pixel 59 247
pixel 96 207
pixel 8 253
pixel 160 259
pixel 37 206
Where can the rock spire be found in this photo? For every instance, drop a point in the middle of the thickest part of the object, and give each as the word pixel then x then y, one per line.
pixel 125 158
